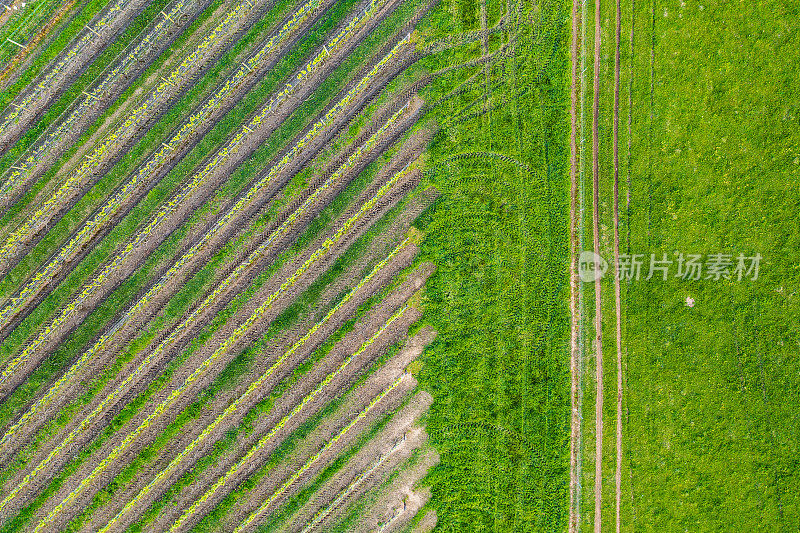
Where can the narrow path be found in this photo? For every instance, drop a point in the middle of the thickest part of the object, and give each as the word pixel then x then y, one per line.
pixel 617 297
pixel 598 301
pixel 574 494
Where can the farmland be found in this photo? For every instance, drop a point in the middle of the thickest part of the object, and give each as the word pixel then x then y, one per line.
pixel 329 265
pixel 687 410
pixel 224 253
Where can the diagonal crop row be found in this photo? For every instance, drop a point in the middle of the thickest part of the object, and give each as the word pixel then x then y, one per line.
pixel 127 253
pixel 57 393
pixel 156 166
pixel 157 290
pixel 101 31
pixel 74 184
pixel 345 483
pixel 117 77
pixel 210 364
pixel 246 462
pixel 255 392
pixel 313 462
pixel 28 47
pixel 65 444
pixel 392 445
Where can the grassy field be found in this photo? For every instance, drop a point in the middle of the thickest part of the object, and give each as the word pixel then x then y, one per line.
pixel 710 421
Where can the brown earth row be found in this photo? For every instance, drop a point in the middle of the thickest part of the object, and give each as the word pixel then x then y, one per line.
pixel 328 365
pixel 101 103
pixel 70 72
pixel 132 261
pixel 113 155
pixel 223 399
pixel 34 42
pixel 379 447
pixel 187 395
pixel 189 493
pixel 397 504
pixel 55 462
pixel 75 386
pixel 271 491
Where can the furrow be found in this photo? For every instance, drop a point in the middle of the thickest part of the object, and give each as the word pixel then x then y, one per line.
pixel 98 287
pixel 304 274
pixel 323 456
pixel 302 213
pixel 246 464
pixel 60 136
pixel 20 115
pixel 229 409
pixel 75 183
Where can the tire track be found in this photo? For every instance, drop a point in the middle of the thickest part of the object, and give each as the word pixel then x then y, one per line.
pixel 575 420
pixel 598 301
pixel 617 295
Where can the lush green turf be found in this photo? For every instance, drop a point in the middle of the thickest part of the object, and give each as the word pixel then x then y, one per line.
pixel 498 371
pixel 711 393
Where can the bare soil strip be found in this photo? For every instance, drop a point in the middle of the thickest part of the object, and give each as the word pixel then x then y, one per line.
pixel 225 344
pixel 34 42
pixel 427 524
pixel 617 295
pixel 575 420
pixel 67 130
pixel 34 100
pixel 223 400
pixel 72 183
pixel 598 301
pixel 118 391
pixel 365 469
pixel 398 503
pixel 176 212
pixel 288 401
pixel 161 162
pixel 69 386
pixel 276 487
pixel 326 380
pixel 226 413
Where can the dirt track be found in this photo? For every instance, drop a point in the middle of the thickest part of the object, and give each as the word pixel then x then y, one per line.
pixel 575 319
